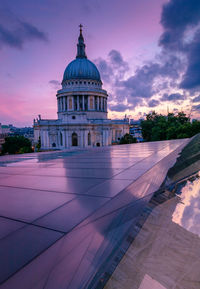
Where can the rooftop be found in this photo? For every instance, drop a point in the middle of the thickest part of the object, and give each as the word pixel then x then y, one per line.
pixel 63 214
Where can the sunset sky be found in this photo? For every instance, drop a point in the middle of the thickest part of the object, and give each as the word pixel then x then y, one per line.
pixel 147 52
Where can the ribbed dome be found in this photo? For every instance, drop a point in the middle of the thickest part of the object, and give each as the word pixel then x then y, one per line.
pixel 81 68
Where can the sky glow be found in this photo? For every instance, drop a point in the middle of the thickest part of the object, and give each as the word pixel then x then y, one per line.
pixel 147 54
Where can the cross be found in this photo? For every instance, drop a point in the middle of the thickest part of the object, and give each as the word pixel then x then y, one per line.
pixel 80 27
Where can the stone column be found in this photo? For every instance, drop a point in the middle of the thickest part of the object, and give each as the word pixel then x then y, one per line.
pixel 69 133
pixel 42 139
pixel 73 103
pixel 83 102
pixel 97 102
pixel 88 102
pixel 107 137
pixel 61 106
pixel 103 140
pixel 93 102
pixel 63 103
pixel 78 108
pixel 58 104
pixel 64 138
pixel 66 104
pixel 86 137
pixel 57 139
pixel 101 103
pixel 46 139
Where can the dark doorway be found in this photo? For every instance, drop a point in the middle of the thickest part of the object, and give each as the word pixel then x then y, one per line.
pixel 98 144
pixel 74 139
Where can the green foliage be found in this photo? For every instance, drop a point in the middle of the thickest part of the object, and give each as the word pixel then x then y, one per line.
pixel 16 144
pixel 160 127
pixel 127 138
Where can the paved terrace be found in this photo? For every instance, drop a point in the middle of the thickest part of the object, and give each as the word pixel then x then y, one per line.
pixel 62 214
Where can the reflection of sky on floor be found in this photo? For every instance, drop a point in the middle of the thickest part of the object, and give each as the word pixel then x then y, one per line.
pixel 149 282
pixel 187 212
pixel 63 213
pixel 165 254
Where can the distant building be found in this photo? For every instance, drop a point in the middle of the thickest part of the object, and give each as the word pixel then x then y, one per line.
pixel 4 131
pixel 27 132
pixel 10 130
pixel 135 129
pixel 82 110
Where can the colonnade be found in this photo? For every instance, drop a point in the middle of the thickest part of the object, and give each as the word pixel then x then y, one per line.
pixel 85 138
pixel 82 103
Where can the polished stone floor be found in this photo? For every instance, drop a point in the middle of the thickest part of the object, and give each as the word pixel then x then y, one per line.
pixel 63 213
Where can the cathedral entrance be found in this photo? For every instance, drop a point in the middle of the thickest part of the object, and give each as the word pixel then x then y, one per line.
pixel 74 139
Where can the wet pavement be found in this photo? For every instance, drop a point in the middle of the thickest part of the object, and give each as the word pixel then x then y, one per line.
pixel 62 214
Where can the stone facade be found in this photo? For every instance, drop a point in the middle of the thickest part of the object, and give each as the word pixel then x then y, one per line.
pixel 81 108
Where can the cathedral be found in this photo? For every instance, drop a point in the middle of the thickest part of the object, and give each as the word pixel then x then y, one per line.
pixel 81 108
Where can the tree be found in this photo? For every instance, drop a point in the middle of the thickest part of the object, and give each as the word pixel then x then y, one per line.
pixel 160 127
pixel 127 139
pixel 16 144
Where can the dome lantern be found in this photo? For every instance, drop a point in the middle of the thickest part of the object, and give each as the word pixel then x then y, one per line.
pixel 81 67
pixel 81 45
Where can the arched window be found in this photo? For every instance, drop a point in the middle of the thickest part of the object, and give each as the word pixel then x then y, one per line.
pixel 91 102
pixel 89 139
pixel 70 103
pixel 74 139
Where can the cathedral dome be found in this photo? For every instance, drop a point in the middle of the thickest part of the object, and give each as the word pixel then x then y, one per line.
pixel 81 67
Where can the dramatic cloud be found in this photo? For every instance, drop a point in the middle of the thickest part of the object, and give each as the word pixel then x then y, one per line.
pixel 196 99
pixel 153 103
pixel 180 20
pixel 148 80
pixel 177 66
pixel 113 68
pixel 196 107
pixel 55 83
pixel 118 107
pixel 15 32
pixel 172 97
pixel 191 78
pixel 105 69
pixel 178 16
pixel 118 63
